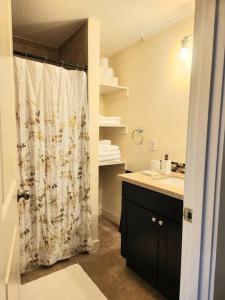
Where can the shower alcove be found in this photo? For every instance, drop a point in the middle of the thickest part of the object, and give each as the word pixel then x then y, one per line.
pixel 82 47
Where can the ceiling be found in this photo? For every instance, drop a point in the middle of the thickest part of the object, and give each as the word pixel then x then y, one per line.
pixel 123 22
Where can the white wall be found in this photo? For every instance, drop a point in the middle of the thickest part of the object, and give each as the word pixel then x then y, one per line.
pixel 93 99
pixel 158 81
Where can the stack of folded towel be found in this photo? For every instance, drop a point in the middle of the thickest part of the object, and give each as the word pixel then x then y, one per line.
pixel 106 73
pixel 116 121
pixel 108 153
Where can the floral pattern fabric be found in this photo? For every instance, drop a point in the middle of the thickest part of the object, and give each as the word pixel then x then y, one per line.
pixel 53 155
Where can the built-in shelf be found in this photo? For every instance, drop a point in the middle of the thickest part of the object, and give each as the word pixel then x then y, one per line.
pixel 121 127
pixel 111 163
pixel 117 126
pixel 106 89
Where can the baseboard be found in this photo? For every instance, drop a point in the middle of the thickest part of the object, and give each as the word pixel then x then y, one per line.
pixel 115 219
pixel 96 245
pixel 99 211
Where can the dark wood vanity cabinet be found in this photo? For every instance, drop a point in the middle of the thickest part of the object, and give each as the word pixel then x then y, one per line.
pixel 151 236
pixel 141 251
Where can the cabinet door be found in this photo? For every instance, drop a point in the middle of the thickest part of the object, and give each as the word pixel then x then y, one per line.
pixel 141 241
pixel 169 254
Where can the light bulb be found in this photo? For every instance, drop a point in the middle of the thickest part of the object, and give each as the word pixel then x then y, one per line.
pixel 184 52
pixel 184 48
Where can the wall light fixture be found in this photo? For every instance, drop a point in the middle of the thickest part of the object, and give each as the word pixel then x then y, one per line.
pixel 184 51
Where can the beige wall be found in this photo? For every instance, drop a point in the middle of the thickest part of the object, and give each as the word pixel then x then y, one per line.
pixel 93 100
pixel 158 81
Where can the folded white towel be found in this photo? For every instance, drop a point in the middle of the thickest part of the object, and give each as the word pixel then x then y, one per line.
pixel 110 157
pixel 110 72
pixel 104 147
pixel 105 142
pixel 114 81
pixel 103 71
pixel 109 153
pixel 109 162
pixel 104 62
pixel 110 123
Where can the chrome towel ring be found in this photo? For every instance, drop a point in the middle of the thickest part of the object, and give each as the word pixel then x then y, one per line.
pixel 137 135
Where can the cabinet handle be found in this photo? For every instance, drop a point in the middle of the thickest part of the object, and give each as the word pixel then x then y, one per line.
pixel 160 223
pixel 153 219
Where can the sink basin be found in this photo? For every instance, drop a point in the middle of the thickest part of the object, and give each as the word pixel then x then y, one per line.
pixel 172 181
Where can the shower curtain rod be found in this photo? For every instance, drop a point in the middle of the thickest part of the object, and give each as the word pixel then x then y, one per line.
pixel 50 61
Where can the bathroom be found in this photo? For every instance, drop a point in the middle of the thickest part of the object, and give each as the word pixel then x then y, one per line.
pixel 107 130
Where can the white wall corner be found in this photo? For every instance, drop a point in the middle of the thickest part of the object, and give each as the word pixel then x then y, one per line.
pixel 93 100
pixel 110 216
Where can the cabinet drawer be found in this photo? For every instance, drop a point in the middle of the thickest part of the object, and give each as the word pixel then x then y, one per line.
pixel 162 204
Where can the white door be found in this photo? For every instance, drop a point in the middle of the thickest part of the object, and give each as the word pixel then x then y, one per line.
pixel 204 152
pixel 9 267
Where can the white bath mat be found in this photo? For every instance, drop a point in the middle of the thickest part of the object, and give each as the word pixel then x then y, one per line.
pixel 71 283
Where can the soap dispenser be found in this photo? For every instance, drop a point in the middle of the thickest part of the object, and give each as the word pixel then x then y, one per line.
pixel 166 165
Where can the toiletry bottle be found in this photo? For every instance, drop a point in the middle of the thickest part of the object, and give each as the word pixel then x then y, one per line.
pixel 166 165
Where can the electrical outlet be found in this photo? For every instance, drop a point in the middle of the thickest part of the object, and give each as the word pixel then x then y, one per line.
pixel 153 144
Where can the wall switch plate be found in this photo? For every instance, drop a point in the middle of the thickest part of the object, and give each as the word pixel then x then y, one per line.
pixel 153 144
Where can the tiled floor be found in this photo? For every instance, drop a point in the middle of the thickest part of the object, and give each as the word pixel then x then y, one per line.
pixel 106 268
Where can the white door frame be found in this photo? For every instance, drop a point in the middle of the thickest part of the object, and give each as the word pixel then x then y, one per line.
pixel 204 151
pixel 9 229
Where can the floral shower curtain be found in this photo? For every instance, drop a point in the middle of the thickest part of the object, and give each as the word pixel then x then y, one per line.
pixel 52 119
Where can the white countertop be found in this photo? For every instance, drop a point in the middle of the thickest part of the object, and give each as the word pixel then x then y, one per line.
pixel 152 183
